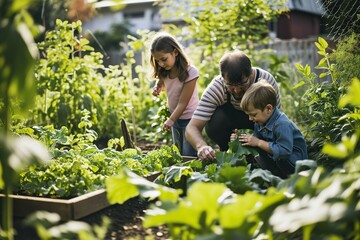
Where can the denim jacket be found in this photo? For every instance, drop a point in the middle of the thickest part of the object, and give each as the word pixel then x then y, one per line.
pixel 285 139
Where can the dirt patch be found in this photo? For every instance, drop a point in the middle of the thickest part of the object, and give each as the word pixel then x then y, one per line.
pixel 127 221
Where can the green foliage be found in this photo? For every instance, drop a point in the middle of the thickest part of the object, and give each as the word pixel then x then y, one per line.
pixel 71 78
pixel 347 58
pixel 155 160
pixel 126 185
pixel 17 58
pixel 217 26
pixel 326 122
pixel 78 166
pixel 313 203
pixel 67 79
pixel 48 226
pixel 223 25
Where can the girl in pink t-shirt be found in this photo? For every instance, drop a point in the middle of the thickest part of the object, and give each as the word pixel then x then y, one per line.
pixel 178 77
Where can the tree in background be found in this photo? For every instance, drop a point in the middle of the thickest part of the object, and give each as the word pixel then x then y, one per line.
pixel 217 26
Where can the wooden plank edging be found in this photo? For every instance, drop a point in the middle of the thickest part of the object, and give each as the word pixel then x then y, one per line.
pixel 68 209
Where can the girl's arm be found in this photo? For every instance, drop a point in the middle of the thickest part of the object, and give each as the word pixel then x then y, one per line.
pixel 185 97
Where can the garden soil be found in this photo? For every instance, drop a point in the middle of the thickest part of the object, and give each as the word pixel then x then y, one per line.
pixel 126 223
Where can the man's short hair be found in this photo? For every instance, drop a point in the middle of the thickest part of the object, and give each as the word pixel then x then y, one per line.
pixel 235 67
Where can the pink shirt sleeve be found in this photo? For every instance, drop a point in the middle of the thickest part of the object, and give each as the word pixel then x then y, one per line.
pixel 174 88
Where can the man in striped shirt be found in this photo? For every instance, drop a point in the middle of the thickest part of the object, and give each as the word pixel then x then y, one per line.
pixel 219 107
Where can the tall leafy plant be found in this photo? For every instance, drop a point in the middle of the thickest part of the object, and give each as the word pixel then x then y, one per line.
pixel 320 113
pixel 67 78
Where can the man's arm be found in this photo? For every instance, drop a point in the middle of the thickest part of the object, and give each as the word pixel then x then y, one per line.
pixel 193 134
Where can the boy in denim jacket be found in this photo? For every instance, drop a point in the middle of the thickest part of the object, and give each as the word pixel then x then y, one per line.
pixel 279 141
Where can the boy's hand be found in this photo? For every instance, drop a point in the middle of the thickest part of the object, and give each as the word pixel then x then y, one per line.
pixel 248 140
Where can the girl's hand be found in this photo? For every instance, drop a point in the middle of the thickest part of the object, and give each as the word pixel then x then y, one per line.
pixel 248 140
pixel 156 91
pixel 168 124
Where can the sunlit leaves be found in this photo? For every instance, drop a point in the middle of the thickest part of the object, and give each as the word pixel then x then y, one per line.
pixel 126 185
pixel 199 210
pixel 80 166
pixel 299 213
pixel 352 95
pixel 22 151
pixel 241 211
pixel 48 226
pixel 343 149
pixel 68 77
pixel 119 189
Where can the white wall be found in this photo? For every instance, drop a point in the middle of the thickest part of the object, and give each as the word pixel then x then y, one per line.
pixel 141 16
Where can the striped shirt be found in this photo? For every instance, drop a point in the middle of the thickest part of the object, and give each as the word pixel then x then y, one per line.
pixel 216 95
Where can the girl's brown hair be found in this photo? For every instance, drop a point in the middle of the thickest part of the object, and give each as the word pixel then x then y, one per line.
pixel 164 42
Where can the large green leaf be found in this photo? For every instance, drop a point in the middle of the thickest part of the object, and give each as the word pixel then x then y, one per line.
pixel 238 148
pixel 174 173
pixel 127 185
pixel 230 158
pixel 245 208
pixel 352 96
pixel 235 178
pixel 119 189
pixel 309 210
pixel 16 64
pixel 183 214
pixel 199 210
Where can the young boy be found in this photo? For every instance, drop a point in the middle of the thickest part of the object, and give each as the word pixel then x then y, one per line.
pixel 278 139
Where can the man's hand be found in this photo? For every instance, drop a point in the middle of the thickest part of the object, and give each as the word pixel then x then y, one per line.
pixel 206 153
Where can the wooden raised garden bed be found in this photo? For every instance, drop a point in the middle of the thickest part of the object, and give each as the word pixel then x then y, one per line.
pixel 68 209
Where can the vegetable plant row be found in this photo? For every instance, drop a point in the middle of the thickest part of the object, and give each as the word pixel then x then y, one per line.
pixel 228 199
pixel 79 166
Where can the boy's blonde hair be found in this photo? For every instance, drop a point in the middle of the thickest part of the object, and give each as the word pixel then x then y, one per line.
pixel 259 94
